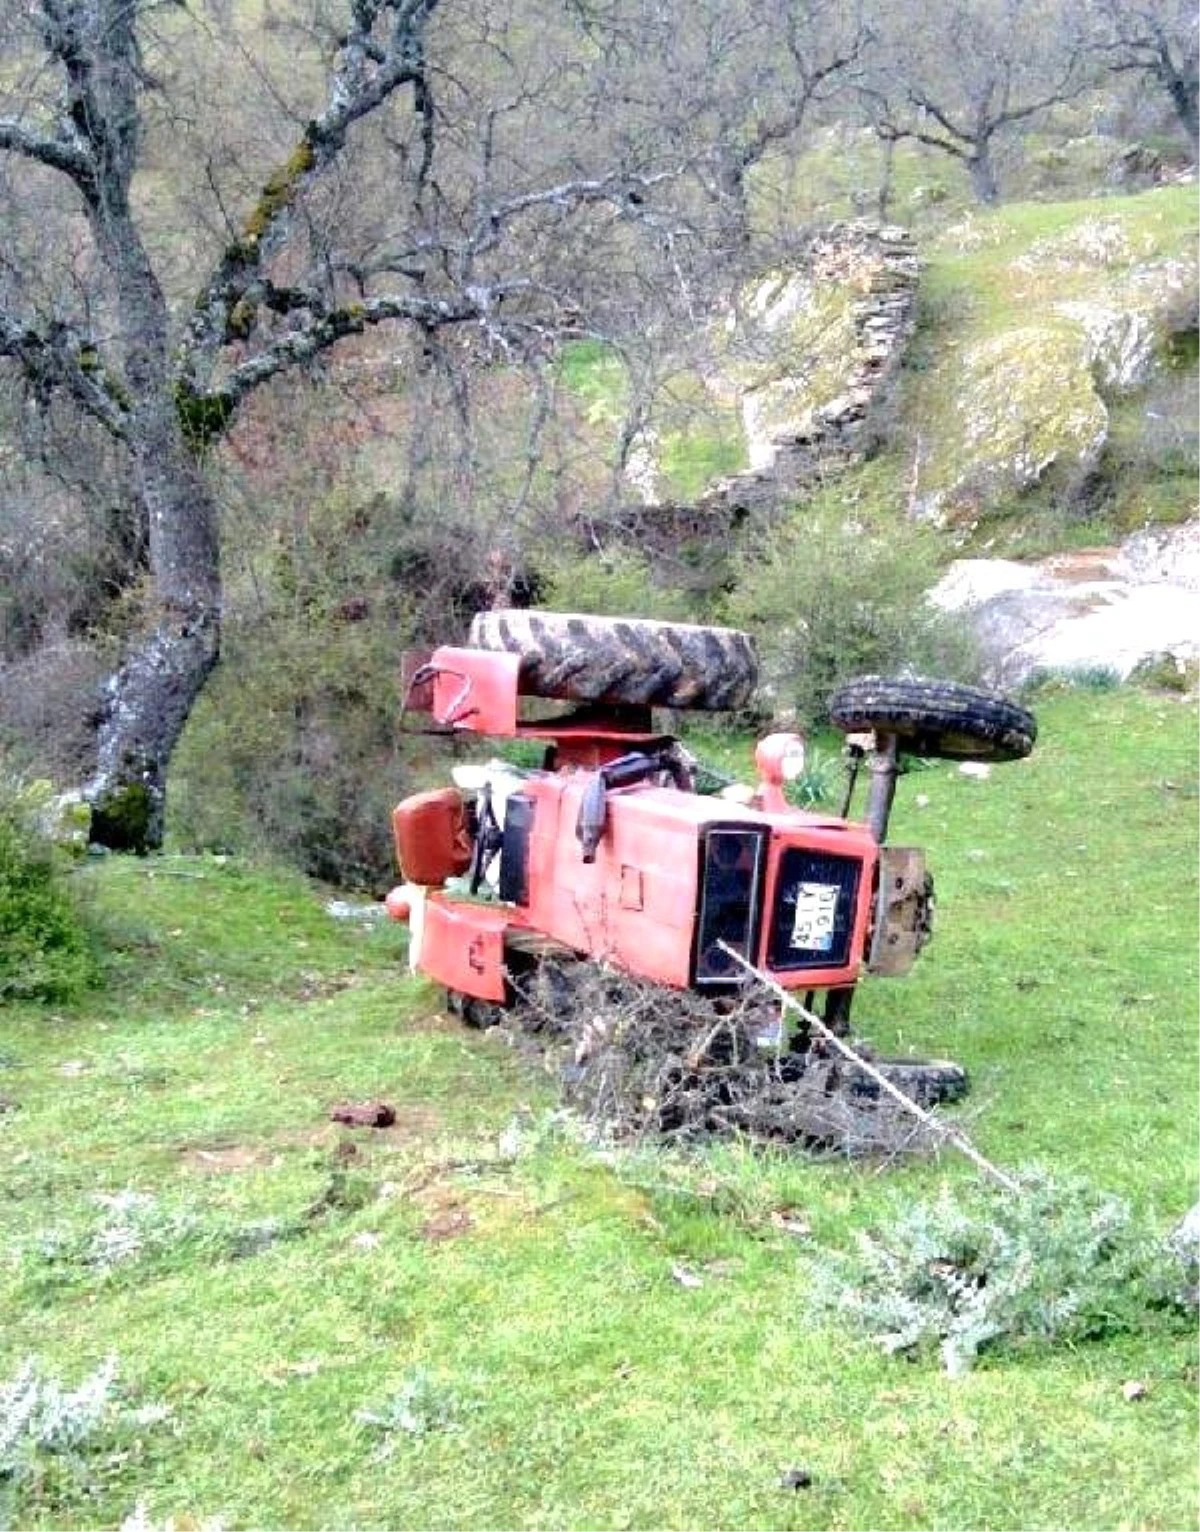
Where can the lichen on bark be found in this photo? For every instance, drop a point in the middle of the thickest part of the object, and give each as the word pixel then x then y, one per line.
pixel 279 190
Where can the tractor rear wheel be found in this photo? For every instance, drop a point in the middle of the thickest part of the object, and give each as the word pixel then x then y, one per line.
pixel 928 1082
pixel 936 718
pixel 622 660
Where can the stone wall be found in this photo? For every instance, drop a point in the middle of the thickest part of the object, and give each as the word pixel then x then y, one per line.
pixel 806 420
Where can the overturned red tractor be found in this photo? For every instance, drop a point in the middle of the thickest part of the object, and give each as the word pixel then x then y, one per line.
pixel 607 853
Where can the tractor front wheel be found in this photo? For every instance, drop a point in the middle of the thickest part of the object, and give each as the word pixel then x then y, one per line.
pixel 936 718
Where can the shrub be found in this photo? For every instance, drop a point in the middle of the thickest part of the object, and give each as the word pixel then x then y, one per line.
pixel 973 1271
pixel 1165 672
pixel 292 751
pixel 620 582
pixel 419 1407
pixel 1085 678
pixel 45 950
pixel 831 596
pixel 47 1433
pixel 53 1440
pixel 293 748
pixel 48 702
pixel 37 1415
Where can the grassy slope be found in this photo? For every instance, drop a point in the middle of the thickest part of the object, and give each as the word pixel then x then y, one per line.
pixel 532 1297
pixel 990 275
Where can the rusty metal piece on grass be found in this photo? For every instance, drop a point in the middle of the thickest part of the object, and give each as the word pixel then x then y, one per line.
pixel 903 911
pixel 370 1114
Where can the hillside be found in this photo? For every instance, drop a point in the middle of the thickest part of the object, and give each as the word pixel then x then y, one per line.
pixel 477 1317
pixel 1028 373
pixel 323 329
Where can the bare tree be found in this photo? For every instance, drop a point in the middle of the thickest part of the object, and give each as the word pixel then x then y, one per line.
pixel 769 67
pixel 958 74
pixel 1159 39
pixel 460 230
pixel 732 82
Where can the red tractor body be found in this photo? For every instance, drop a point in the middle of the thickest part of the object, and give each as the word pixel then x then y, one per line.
pixel 674 875
pixel 608 853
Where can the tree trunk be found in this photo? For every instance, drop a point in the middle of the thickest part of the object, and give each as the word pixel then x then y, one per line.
pixel 983 174
pixel 1184 97
pixel 147 702
pixel 734 202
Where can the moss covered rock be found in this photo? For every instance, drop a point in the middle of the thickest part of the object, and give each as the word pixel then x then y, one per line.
pixel 790 349
pixel 1040 322
pixel 1026 402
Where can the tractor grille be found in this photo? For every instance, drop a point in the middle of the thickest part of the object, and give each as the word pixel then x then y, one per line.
pixel 813 918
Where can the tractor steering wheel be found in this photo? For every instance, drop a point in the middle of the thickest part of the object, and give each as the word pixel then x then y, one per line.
pixel 488 838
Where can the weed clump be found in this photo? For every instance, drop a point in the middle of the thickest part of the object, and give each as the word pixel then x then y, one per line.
pixel 420 1406
pixel 973 1272
pixel 1084 678
pixel 38 1415
pixel 52 1438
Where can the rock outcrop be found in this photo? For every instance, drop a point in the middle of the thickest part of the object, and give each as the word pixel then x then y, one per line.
pixel 1027 386
pixel 1106 609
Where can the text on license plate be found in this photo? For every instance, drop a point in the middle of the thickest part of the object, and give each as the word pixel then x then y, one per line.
pixel 816 916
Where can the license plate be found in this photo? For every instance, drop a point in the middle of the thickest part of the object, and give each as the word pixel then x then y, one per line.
pixel 816 916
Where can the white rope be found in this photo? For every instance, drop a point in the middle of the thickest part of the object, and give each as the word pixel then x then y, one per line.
pixel 948 1131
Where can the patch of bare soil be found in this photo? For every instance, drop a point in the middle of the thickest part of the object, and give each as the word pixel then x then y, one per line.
pixel 228 1161
pixel 450 1222
pixel 317 986
pixel 412 1124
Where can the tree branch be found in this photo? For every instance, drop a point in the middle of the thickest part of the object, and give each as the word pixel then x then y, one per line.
pixel 57 359
pixel 624 191
pixel 325 330
pixel 989 121
pixel 941 116
pixel 55 153
pixel 366 72
pixel 97 49
pixel 892 132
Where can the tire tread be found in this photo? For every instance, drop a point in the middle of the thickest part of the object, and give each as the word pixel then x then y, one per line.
pixel 577 658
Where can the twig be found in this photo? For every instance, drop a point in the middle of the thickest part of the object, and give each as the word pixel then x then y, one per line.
pixel 948 1131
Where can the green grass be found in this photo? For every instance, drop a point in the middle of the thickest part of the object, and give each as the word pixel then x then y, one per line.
pixel 518 1304
pixel 593 370
pixel 695 440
